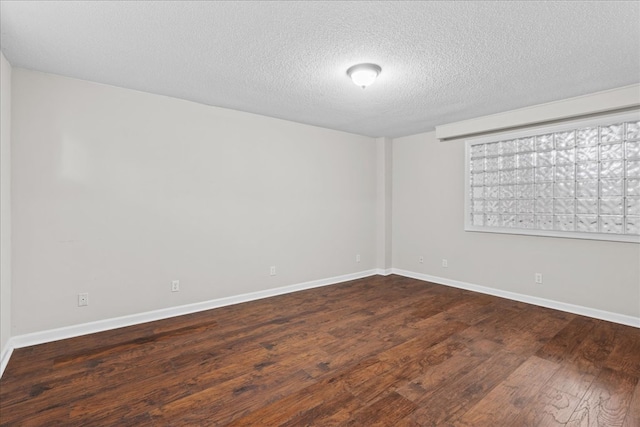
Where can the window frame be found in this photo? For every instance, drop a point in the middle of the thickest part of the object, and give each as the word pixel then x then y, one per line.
pixel 539 130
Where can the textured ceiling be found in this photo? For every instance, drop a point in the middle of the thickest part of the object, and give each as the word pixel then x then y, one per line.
pixel 441 61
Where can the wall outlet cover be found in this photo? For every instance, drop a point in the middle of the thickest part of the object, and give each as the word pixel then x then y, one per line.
pixel 83 299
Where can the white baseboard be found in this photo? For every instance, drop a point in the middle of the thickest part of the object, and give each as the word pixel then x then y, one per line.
pixel 384 272
pixel 556 305
pixel 42 337
pixel 6 355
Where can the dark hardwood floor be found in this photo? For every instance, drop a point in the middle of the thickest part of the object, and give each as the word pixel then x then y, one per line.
pixel 387 351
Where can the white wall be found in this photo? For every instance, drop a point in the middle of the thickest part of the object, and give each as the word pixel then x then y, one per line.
pixel 5 203
pixel 428 214
pixel 118 192
pixel 384 203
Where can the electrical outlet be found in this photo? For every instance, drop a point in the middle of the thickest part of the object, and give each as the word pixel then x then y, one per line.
pixel 358 258
pixel 421 259
pixel 273 270
pixel 83 300
pixel 175 286
pixel 538 278
pixel 445 263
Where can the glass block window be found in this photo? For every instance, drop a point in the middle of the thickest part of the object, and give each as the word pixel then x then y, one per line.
pixel 578 179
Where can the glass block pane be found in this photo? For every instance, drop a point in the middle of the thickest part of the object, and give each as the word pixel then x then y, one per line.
pixel 611 169
pixel 493 149
pixel 633 149
pixel 611 224
pixel 492 163
pixel 564 222
pixel 587 206
pixel 633 187
pixel 526 191
pixel 507 162
pixel 587 223
pixel 525 206
pixel 587 136
pixel 587 188
pixel 544 222
pixel 587 170
pixel 492 192
pixel 507 191
pixel 477 165
pixel 611 187
pixel 544 174
pixel 587 154
pixel 508 220
pixel 526 144
pixel 544 142
pixel 633 225
pixel 544 205
pixel 477 150
pixel 564 206
pixel 477 192
pixel 633 206
pixel 525 221
pixel 492 178
pixel 525 176
pixel 611 152
pixel 565 156
pixel 491 206
pixel 633 168
pixel 565 172
pixel 545 159
pixel 565 140
pixel 493 220
pixel 611 206
pixel 633 130
pixel 508 147
pixel 585 179
pixel 508 177
pixel 526 160
pixel 611 133
pixel 564 189
pixel 508 206
pixel 544 190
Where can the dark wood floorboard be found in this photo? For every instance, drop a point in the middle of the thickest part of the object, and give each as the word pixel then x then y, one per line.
pixel 380 351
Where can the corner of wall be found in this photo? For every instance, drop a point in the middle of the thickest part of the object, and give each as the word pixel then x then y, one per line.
pixel 383 203
pixel 5 211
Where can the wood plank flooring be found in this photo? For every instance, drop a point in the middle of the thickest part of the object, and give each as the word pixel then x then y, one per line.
pixel 380 351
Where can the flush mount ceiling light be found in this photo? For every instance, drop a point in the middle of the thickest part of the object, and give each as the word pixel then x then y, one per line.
pixel 364 74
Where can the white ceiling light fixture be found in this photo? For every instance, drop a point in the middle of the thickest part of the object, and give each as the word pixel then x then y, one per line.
pixel 364 74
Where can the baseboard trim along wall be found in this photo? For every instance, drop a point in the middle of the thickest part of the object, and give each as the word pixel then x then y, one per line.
pixel 384 272
pixel 42 337
pixel 542 302
pixel 7 351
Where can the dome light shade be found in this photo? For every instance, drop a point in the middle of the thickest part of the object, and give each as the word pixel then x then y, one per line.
pixel 364 74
